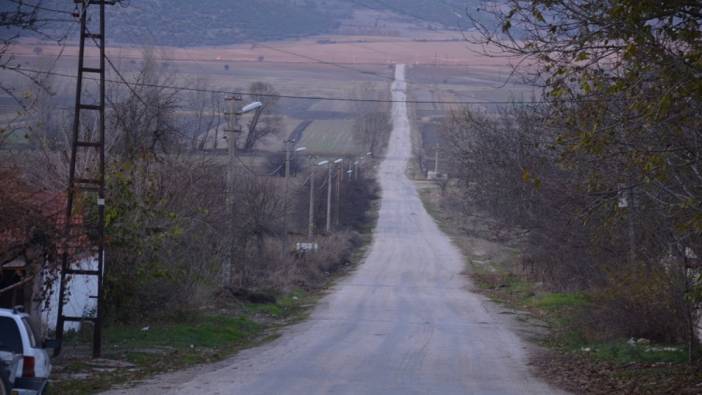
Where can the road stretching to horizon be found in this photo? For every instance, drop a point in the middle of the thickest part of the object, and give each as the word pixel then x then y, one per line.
pixel 404 322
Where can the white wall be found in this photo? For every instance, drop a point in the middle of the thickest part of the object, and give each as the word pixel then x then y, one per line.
pixel 78 301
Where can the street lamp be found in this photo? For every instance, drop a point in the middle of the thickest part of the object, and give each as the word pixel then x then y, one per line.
pixel 251 107
pixel 288 143
pixel 329 189
pixel 233 127
pixel 310 224
pixel 339 176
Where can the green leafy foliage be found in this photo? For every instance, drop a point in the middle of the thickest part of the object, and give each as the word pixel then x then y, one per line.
pixel 622 83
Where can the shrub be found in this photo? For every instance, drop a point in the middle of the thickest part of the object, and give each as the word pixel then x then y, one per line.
pixel 640 303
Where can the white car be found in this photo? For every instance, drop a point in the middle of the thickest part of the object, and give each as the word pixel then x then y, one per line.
pixel 17 338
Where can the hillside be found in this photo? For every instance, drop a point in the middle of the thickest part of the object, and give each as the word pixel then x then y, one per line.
pixel 187 23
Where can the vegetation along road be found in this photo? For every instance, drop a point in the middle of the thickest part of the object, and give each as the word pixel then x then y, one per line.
pixel 403 323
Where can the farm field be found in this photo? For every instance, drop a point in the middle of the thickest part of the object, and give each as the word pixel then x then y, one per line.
pixel 441 68
pixel 331 137
pixel 488 89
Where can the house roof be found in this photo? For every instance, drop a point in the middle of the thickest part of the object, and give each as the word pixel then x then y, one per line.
pixel 31 217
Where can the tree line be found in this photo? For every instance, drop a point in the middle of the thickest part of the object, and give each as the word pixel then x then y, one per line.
pixel 168 224
pixel 602 175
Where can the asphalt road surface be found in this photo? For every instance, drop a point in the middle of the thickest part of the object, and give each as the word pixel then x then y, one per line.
pixel 403 323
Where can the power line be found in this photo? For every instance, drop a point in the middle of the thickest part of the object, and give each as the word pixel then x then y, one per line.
pixel 385 6
pixel 282 96
pixel 339 65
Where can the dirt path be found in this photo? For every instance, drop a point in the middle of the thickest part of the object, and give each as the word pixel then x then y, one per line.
pixel 403 323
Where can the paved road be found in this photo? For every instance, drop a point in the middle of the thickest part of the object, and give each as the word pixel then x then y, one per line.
pixel 403 323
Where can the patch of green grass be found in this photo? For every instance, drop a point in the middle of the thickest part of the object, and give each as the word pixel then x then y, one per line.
pixel 164 346
pixel 331 137
pixel 287 305
pixel 559 300
pixel 207 331
pixel 624 353
pixel 272 309
pixel 174 344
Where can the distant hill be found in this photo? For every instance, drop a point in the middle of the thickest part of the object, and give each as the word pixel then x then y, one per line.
pixel 219 22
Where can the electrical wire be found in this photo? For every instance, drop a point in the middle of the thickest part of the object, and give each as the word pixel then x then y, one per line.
pixel 320 61
pixel 295 97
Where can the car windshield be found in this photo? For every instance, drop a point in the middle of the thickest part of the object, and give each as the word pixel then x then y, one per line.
pixel 30 332
pixel 10 339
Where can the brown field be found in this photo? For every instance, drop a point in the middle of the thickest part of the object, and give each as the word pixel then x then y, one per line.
pixel 438 48
pixel 442 67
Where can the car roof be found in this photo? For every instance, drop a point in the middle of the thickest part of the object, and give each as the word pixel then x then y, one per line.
pixel 12 312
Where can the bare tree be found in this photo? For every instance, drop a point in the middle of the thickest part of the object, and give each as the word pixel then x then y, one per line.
pixel 269 123
pixel 259 216
pixel 143 115
pixel 372 120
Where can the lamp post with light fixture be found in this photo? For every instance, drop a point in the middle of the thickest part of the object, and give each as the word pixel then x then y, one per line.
pixel 339 178
pixel 288 144
pixel 233 129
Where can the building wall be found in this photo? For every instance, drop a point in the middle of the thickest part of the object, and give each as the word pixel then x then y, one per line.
pixel 79 303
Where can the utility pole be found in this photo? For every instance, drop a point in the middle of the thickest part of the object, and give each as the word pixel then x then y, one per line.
pixel 288 144
pixel 329 196
pixel 310 225
pixel 436 161
pixel 339 177
pixel 626 200
pixel 632 230
pixel 232 135
pixel 233 130
pixel 79 184
pixel 284 248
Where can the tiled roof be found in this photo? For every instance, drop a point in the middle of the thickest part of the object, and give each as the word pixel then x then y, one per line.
pixel 34 217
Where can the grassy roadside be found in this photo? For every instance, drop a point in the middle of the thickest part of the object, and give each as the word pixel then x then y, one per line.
pixel 569 359
pixel 133 353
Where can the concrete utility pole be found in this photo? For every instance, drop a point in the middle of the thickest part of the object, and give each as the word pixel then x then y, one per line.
pixel 233 131
pixel 436 160
pixel 339 176
pixel 310 224
pixel 288 144
pixel 232 135
pixel 329 196
pixel 626 200
pixel 284 247
pixel 631 225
